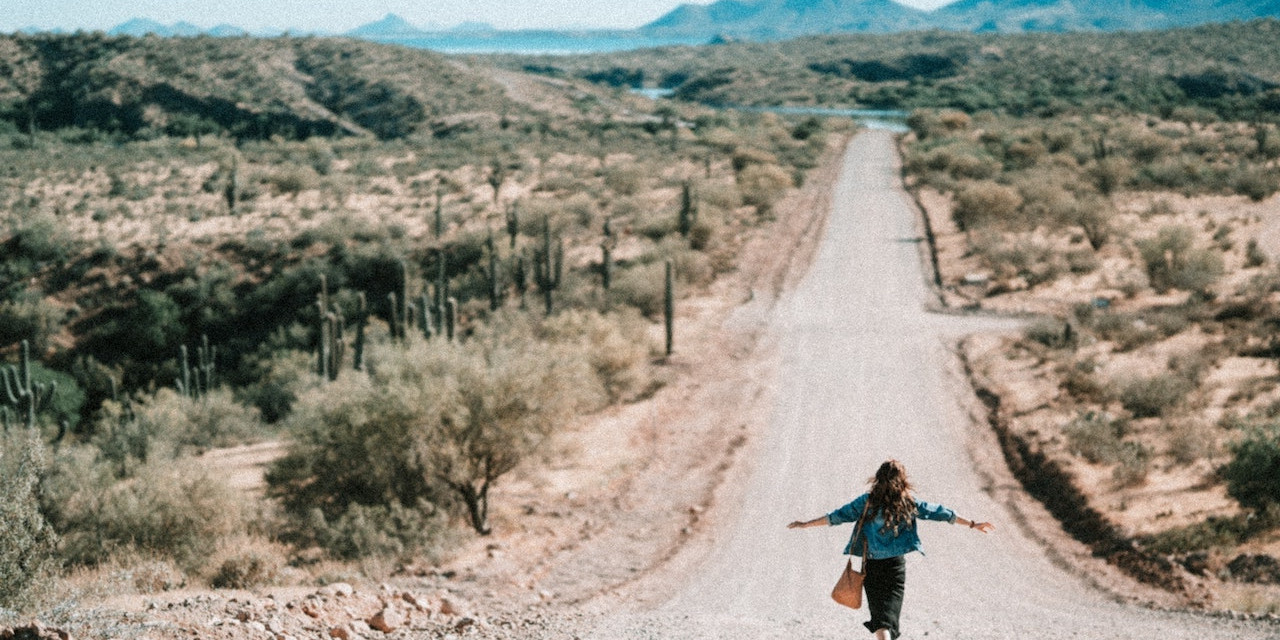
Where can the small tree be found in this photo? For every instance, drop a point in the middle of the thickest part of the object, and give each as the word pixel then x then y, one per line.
pixel 430 423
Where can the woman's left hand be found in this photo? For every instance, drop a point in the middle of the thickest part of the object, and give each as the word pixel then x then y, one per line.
pixel 985 527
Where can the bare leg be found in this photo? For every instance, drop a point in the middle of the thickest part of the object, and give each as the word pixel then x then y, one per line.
pixel 882 634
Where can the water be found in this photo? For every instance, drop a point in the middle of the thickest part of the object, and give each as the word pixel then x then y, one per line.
pixel 886 119
pixel 538 42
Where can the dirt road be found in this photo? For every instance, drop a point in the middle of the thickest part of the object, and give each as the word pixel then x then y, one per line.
pixel 863 378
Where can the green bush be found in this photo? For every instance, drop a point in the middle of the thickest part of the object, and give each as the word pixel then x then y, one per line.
pixel 1253 475
pixel 27 554
pixel 33 320
pixel 1215 532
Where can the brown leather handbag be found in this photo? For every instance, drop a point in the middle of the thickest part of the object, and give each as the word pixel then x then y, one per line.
pixel 848 589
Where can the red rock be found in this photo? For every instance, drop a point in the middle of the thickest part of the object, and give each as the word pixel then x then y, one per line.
pixel 387 620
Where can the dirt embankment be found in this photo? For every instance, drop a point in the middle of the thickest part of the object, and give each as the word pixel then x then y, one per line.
pixel 1027 411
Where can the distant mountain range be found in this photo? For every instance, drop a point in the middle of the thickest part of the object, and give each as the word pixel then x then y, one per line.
pixel 779 19
pixel 390 27
pixel 775 19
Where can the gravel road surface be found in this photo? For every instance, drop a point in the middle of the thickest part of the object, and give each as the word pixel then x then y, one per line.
pixel 863 378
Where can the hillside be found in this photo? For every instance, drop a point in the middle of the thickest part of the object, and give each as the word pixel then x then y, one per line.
pixel 250 88
pixel 778 19
pixel 1225 69
pixel 775 19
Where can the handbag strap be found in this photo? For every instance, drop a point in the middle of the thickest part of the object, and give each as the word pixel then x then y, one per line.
pixel 854 536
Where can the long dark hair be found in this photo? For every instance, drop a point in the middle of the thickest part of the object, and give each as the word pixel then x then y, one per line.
pixel 891 497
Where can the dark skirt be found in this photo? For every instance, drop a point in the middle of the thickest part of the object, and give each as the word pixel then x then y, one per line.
pixel 885 585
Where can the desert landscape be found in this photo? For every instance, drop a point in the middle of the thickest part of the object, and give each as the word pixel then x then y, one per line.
pixel 316 337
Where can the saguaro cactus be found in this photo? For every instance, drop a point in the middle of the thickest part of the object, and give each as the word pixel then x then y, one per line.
pixel 362 319
pixel 395 320
pixel 197 381
pixel 20 393
pixel 606 265
pixel 426 320
pixel 606 257
pixel 548 266
pixel 669 307
pixel 439 217
pixel 451 318
pixel 495 277
pixel 688 211
pixel 231 191
pixel 442 281
pixel 513 223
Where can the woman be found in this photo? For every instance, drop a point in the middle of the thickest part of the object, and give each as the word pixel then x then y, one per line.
pixel 889 534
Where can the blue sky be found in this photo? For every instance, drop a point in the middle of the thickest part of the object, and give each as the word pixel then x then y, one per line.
pixel 341 15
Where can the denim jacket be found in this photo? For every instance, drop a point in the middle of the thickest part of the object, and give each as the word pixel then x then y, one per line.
pixel 883 544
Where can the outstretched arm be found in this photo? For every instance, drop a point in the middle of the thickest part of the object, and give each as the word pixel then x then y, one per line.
pixel 820 521
pixel 985 527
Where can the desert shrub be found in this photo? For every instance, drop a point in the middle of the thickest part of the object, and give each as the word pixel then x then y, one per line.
pixel 1126 330
pixel 291 180
pixel 626 179
pixel 1174 263
pixel 246 563
pixel 1190 441
pixel 165 423
pixel 1081 382
pixel 1050 333
pixel 153 575
pixel 720 195
pixel 151 325
pixel 1092 215
pixel 1253 474
pixel 1110 174
pixel 1146 146
pixel 641 286
pixel 956 161
pixel 1213 533
pixel 31 319
pixel 380 531
pixel 1154 396
pixel 985 203
pixel 1021 256
pixel 616 346
pixel 1096 437
pixel 749 157
pixel 1082 261
pixel 166 508
pixel 1254 256
pixel 1255 182
pixel 27 557
pixel 762 185
pixel 1133 465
